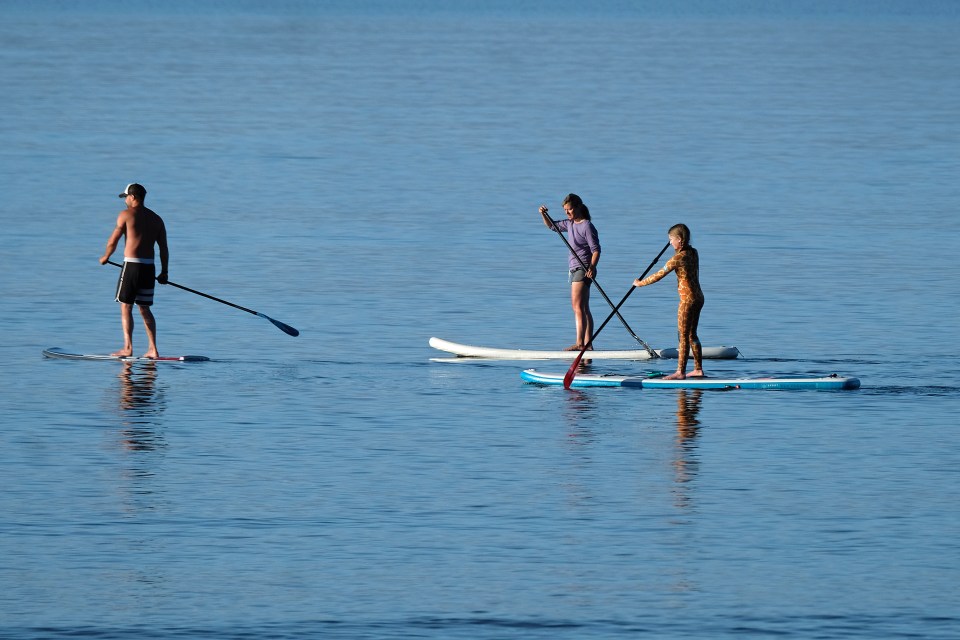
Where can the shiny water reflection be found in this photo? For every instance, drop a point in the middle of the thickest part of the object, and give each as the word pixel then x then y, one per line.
pixel 140 406
pixel 686 463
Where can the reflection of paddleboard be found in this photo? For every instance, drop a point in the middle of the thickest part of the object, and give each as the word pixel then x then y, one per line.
pixel 657 382
pixel 468 351
pixel 57 352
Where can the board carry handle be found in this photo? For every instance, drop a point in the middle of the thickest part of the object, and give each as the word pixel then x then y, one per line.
pixel 287 329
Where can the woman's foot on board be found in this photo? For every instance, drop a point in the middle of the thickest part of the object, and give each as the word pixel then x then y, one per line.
pixel 123 353
pixel 676 375
pixel 574 347
pixel 696 373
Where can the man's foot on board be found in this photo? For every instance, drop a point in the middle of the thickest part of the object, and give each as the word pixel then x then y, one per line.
pixel 152 355
pixel 574 347
pixel 675 376
pixel 123 353
pixel 696 373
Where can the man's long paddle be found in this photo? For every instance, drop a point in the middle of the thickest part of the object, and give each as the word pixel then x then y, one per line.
pixel 553 225
pixel 287 329
pixel 572 371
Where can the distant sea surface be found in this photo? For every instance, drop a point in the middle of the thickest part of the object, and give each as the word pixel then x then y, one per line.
pixel 370 173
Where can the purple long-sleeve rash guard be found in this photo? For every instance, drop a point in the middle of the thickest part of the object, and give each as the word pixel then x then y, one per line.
pixel 584 239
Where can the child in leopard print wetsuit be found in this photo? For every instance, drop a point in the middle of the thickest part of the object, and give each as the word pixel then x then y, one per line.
pixel 686 262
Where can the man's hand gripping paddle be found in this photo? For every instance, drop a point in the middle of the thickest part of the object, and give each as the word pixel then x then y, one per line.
pixel 572 371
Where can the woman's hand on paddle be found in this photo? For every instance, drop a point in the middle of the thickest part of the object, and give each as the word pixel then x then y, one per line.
pixel 547 220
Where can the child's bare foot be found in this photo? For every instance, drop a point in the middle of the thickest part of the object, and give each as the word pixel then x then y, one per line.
pixel 123 353
pixel 696 373
pixel 677 375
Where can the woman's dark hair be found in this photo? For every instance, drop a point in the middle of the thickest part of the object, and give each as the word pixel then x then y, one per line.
pixel 579 209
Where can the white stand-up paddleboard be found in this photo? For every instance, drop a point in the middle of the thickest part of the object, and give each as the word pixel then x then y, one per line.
pixel 57 352
pixel 492 353
pixel 656 381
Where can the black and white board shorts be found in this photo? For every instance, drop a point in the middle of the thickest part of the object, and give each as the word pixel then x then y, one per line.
pixel 136 281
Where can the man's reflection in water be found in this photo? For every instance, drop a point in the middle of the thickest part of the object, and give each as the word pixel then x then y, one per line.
pixel 686 464
pixel 140 406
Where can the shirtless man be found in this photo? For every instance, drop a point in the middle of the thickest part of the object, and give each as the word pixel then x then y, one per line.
pixel 143 228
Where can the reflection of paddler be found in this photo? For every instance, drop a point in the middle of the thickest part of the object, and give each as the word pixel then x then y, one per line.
pixel 685 464
pixel 137 391
pixel 688 407
pixel 138 405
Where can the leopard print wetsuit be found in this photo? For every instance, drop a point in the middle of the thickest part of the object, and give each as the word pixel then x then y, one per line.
pixel 686 263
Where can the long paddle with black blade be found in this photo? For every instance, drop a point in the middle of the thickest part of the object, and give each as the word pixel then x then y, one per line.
pixel 287 329
pixel 572 371
pixel 553 225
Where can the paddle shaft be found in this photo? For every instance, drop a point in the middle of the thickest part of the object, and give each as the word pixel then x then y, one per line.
pixel 280 325
pixel 553 225
pixel 572 371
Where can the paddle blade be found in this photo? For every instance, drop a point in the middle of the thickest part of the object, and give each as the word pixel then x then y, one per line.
pixel 572 371
pixel 287 329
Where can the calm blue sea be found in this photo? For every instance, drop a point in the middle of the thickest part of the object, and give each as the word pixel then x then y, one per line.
pixel 370 173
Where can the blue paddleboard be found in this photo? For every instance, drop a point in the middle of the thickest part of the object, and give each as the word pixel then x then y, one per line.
pixel 657 382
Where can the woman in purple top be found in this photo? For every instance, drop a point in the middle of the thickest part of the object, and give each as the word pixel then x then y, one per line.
pixel 583 237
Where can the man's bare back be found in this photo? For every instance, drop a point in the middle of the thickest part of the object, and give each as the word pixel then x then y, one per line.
pixel 142 228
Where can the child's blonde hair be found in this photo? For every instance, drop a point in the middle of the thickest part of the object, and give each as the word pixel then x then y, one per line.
pixel 681 231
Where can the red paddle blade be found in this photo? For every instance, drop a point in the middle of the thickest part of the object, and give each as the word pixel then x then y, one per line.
pixel 572 371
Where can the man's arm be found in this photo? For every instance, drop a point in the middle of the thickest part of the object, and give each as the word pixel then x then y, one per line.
pixel 164 253
pixel 114 239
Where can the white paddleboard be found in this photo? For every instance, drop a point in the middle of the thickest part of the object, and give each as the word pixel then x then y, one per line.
pixel 656 381
pixel 57 352
pixel 469 351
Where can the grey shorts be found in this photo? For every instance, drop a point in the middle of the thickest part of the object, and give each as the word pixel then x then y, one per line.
pixel 578 275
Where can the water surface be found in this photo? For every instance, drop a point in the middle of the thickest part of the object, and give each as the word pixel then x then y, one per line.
pixel 370 175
